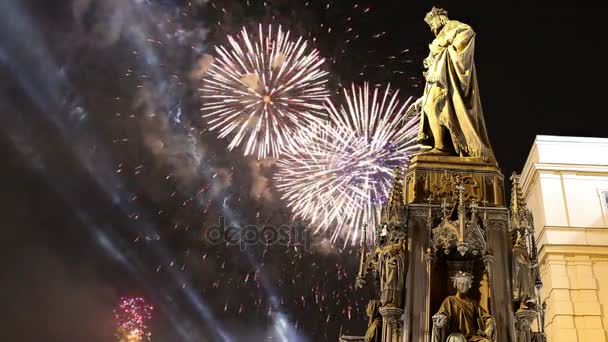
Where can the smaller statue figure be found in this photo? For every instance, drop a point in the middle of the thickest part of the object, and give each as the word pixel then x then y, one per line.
pixel 460 319
pixel 374 326
pixel 388 261
pixel 391 264
pixel 523 283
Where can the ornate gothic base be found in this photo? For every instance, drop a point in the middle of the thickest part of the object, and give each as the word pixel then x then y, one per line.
pixel 456 212
pixel 448 215
pixel 436 176
pixel 523 322
pixel 391 324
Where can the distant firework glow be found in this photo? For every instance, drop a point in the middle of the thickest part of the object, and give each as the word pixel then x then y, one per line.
pixel 132 315
pixel 263 88
pixel 339 177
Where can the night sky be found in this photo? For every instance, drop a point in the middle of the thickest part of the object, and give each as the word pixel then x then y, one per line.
pixel 100 200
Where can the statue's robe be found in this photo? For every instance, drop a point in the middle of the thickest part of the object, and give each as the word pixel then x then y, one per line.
pixel 452 94
pixel 523 284
pixel 464 316
pixel 392 262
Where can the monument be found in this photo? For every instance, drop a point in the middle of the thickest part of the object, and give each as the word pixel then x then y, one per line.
pixel 452 261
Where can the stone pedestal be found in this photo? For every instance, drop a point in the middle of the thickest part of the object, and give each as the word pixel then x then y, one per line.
pixel 436 176
pixel 391 324
pixel 523 322
pixel 450 216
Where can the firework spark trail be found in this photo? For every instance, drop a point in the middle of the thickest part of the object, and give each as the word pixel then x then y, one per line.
pixel 262 89
pixel 47 88
pixel 283 330
pixel 341 174
pixel 280 321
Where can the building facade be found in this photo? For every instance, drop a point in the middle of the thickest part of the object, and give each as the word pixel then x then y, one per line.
pixel 565 185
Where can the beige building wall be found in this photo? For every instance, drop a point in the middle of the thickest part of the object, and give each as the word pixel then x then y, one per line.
pixel 565 184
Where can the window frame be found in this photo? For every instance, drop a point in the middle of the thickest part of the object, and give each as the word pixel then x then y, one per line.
pixel 603 195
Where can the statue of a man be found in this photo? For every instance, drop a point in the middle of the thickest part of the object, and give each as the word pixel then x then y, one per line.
pixel 523 284
pixel 460 319
pixel 374 326
pixel 451 120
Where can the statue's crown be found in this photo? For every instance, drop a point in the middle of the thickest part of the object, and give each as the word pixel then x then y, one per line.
pixel 462 275
pixel 435 11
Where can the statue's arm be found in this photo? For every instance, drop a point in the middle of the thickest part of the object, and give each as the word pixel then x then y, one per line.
pixel 442 314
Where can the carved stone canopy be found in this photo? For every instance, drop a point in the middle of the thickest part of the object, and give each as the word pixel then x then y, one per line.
pixel 460 228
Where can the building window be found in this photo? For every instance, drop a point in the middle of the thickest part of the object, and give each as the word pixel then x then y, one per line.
pixel 604 198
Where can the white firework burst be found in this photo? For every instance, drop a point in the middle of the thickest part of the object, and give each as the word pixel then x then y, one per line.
pixel 341 173
pixel 261 89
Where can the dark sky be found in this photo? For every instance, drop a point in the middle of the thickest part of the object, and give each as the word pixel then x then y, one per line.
pixel 93 210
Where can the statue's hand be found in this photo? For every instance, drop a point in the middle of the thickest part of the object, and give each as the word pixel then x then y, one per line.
pixel 481 333
pixel 439 320
pixel 427 62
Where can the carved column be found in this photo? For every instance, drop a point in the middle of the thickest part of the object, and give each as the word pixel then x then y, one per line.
pixel 428 260
pixel 488 261
pixel 499 244
pixel 391 324
pixel 418 292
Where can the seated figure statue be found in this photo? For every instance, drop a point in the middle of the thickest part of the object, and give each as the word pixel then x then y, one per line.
pixel 460 319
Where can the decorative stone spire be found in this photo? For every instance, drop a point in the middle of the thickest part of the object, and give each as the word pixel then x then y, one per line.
pixel 521 217
pixel 394 210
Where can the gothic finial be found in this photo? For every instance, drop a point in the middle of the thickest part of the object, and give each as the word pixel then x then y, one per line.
pixel 393 211
pixel 520 215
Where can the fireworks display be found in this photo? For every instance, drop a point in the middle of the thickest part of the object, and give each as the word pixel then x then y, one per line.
pixel 340 176
pixel 151 105
pixel 261 89
pixel 195 180
pixel 132 315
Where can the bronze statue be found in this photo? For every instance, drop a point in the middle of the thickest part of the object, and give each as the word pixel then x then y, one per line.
pixel 460 319
pixel 374 326
pixel 523 284
pixel 451 120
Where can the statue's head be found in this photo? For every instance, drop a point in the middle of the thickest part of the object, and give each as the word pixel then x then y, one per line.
pixel 436 18
pixel 462 281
